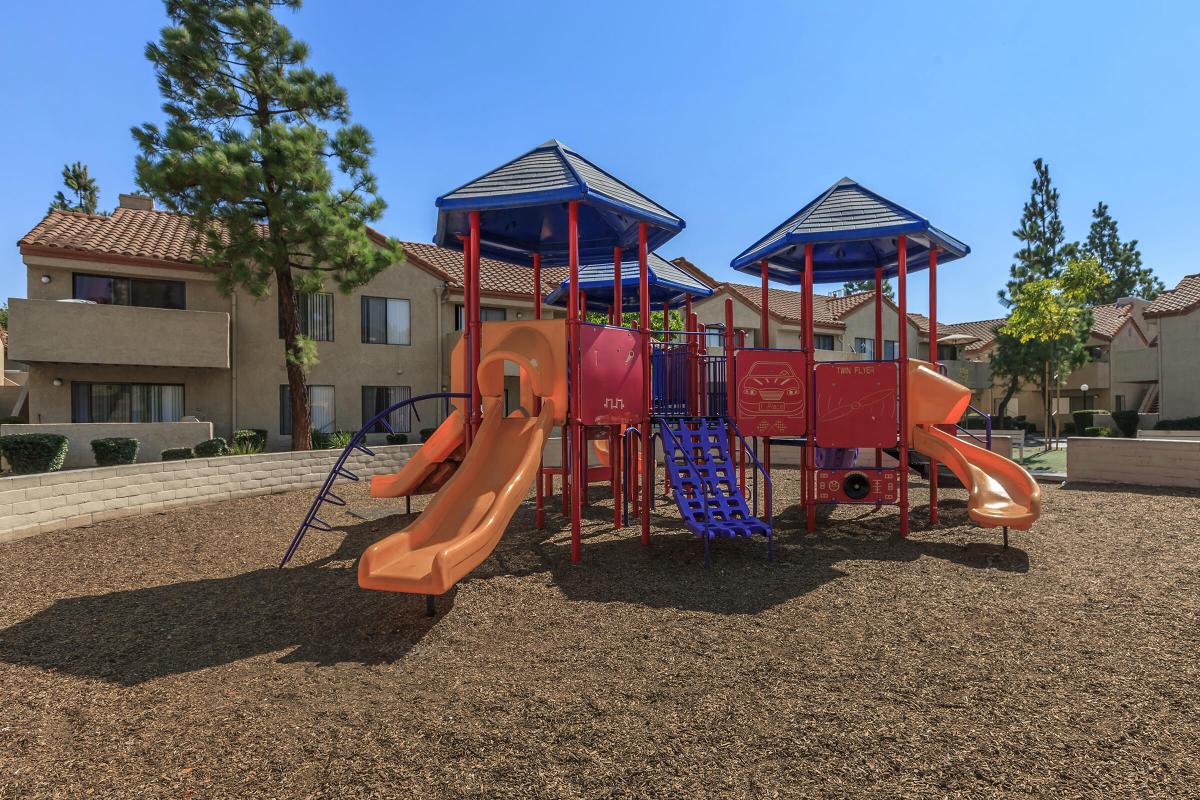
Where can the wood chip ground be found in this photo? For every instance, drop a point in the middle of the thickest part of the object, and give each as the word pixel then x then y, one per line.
pixel 166 656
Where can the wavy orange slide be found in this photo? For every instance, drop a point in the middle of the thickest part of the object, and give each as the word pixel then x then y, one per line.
pixel 466 518
pixel 1000 492
pixel 436 449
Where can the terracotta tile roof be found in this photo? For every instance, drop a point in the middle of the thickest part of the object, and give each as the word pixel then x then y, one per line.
pixel 157 235
pixel 785 304
pixel 1183 298
pixel 983 330
pixel 1108 319
pixel 922 323
pixel 495 277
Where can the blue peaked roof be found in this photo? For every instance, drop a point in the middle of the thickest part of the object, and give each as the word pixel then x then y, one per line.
pixel 523 210
pixel 853 230
pixel 668 283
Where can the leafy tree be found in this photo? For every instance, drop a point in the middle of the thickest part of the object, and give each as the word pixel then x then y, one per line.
pixel 1016 364
pixel 1052 314
pixel 858 287
pixel 247 152
pixel 4 315
pixel 1121 260
pixel 1040 234
pixel 630 319
pixel 82 185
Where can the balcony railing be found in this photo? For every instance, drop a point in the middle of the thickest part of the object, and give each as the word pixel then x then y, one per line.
pixel 1134 366
pixel 52 331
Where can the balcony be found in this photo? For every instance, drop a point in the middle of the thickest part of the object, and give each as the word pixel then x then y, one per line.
pixel 51 331
pixel 972 374
pixel 1135 366
pixel 1094 373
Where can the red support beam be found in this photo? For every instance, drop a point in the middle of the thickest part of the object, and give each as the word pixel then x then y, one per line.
pixel 539 516
pixel 810 458
pixel 644 325
pixel 618 301
pixel 933 359
pixel 763 302
pixel 476 327
pixel 616 436
pixel 468 377
pixel 902 357
pixel 577 479
pixel 878 336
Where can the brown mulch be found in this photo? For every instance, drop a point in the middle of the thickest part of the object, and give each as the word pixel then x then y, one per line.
pixel 165 656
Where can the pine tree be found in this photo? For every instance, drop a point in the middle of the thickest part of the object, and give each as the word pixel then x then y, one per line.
pixel 858 287
pixel 83 186
pixel 247 150
pixel 1040 233
pixel 1121 260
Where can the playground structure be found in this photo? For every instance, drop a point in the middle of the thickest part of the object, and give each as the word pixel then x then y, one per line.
pixel 616 392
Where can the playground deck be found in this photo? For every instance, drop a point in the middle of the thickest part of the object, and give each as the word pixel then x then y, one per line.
pixel 176 659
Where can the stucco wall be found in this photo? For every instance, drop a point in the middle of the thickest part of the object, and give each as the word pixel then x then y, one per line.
pixel 1143 462
pixel 1179 353
pixel 153 437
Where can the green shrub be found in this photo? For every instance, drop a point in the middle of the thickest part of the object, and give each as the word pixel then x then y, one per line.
pixel 245 447
pixel 426 433
pixel 338 440
pixel 320 440
pixel 1068 429
pixel 1181 424
pixel 1127 421
pixel 34 452
pixel 251 436
pixel 115 450
pixel 177 453
pixel 1098 431
pixel 397 438
pixel 212 447
pixel 1085 418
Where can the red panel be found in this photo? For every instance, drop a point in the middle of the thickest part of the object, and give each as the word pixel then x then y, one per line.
pixel 772 388
pixel 611 375
pixel 831 485
pixel 856 404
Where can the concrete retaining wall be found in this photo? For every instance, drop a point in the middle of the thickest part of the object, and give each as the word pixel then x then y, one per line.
pixel 1142 462
pixel 1168 435
pixel 31 504
pixel 153 437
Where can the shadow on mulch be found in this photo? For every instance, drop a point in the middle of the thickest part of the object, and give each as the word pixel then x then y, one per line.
pixel 1129 488
pixel 130 637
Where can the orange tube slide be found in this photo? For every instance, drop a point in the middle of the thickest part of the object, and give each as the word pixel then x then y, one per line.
pixel 440 446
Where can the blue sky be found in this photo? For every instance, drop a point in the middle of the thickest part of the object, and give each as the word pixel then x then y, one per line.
pixel 732 115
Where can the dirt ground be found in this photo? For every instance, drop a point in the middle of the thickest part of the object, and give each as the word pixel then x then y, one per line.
pixel 165 656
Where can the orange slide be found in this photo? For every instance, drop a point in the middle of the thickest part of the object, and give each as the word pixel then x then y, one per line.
pixel 448 437
pixel 463 523
pixel 1001 492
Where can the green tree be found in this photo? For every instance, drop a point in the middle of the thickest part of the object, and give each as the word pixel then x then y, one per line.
pixel 4 315
pixel 247 151
pixel 1051 317
pixel 1040 233
pixel 1121 260
pixel 82 185
pixel 1016 365
pixel 630 319
pixel 858 287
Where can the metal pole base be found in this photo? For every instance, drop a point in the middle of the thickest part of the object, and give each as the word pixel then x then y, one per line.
pixel 1005 537
pixel 430 607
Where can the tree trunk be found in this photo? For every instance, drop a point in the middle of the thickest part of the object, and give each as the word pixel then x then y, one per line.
pixel 1002 410
pixel 1046 406
pixel 297 380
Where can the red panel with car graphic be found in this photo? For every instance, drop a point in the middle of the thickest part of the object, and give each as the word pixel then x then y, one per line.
pixel 856 404
pixel 612 376
pixel 772 390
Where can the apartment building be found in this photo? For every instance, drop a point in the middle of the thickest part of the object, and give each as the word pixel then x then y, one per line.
pixel 1174 376
pixel 120 325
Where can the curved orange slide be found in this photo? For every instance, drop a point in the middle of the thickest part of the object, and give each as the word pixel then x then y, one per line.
pixel 464 521
pixel 1001 493
pixel 437 448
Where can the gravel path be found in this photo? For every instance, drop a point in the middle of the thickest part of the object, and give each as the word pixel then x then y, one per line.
pixel 164 656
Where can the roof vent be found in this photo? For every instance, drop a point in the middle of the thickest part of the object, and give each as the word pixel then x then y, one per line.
pixel 136 202
pixel 1128 300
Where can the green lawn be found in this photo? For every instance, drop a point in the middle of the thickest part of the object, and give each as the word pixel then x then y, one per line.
pixel 1047 460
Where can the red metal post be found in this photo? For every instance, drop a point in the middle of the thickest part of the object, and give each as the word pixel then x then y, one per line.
pixel 879 336
pixel 574 362
pixel 539 516
pixel 933 359
pixel 902 356
pixel 764 301
pixel 644 324
pixel 742 449
pixel 468 376
pixel 616 435
pixel 476 326
pixel 810 459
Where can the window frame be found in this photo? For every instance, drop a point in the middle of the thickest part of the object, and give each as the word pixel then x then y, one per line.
pixel 126 384
pixel 460 314
pixel 301 317
pixel 817 337
pixel 285 403
pixel 130 281
pixel 378 428
pixel 363 319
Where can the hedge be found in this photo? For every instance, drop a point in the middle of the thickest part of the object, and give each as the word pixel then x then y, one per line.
pixel 1085 418
pixel 426 433
pixel 1068 429
pixel 212 447
pixel 256 437
pixel 115 450
pixel 34 452
pixel 1181 424
pixel 397 438
pixel 1096 431
pixel 1127 422
pixel 177 453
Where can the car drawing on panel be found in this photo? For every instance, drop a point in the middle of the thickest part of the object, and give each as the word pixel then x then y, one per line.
pixel 771 387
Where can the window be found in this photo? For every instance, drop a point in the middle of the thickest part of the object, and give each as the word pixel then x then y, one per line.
pixel 1118 402
pixel 320 409
pixel 890 348
pixel 126 402
pixel 385 321
pixel 486 314
pixel 714 337
pixel 316 316
pixel 116 291
pixel 947 352
pixel 377 398
pixel 864 347
pixel 822 341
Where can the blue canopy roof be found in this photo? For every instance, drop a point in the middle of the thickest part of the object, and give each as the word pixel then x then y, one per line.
pixel 853 230
pixel 667 282
pixel 523 210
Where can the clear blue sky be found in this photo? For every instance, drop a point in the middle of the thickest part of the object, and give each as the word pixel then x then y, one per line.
pixel 732 115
